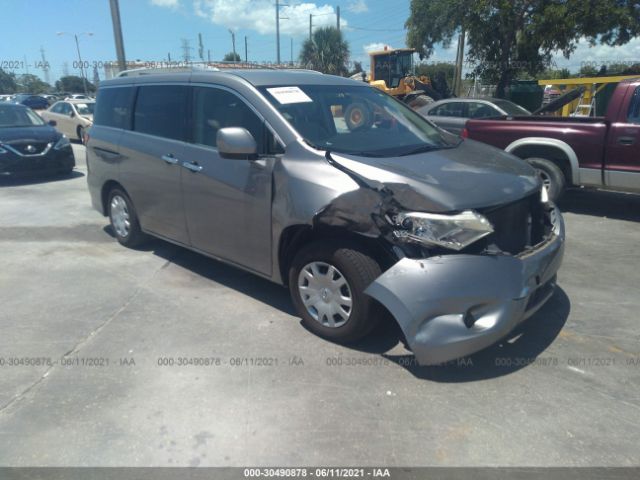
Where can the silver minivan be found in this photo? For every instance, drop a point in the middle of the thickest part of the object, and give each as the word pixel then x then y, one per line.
pixel 336 190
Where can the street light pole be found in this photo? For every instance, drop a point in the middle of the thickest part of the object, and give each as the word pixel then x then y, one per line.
pixel 84 77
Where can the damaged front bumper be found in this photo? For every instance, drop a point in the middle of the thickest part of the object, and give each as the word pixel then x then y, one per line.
pixel 454 305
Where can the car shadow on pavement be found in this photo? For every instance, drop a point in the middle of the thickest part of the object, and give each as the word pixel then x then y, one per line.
pixel 601 203
pixel 522 348
pixel 247 283
pixel 35 180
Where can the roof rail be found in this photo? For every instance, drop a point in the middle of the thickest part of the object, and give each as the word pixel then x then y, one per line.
pixel 150 68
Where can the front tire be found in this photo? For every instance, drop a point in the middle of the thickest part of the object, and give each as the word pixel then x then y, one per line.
pixel 124 220
pixel 552 177
pixel 327 282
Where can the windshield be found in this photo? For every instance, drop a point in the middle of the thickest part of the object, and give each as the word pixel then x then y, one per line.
pixel 18 117
pixel 354 119
pixel 85 108
pixel 511 108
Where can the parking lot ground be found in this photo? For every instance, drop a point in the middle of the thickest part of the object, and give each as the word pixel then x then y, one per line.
pixel 564 389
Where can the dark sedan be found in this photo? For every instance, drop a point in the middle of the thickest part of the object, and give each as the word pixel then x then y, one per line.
pixel 32 101
pixel 28 145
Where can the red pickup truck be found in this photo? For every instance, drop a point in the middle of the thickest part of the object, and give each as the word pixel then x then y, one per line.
pixel 572 151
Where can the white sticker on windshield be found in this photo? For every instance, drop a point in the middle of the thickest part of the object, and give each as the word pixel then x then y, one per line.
pixel 286 95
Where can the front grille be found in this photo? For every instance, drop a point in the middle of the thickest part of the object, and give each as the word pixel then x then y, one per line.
pixel 29 148
pixel 517 225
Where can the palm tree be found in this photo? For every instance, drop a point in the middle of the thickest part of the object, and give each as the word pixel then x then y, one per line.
pixel 326 52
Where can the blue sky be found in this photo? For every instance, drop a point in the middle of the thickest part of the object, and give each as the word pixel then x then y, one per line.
pixel 154 28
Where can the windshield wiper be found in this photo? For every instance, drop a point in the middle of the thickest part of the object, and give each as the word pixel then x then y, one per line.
pixel 421 149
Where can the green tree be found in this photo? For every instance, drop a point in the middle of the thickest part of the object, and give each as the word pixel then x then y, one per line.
pixel 72 83
pixel 7 82
pixel 231 57
pixel 552 74
pixel 326 52
pixel 507 37
pixel 32 84
pixel 357 68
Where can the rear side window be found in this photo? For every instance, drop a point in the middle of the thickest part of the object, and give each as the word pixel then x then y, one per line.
pixel 634 108
pixel 113 107
pixel 214 108
pixel 481 110
pixel 452 109
pixel 161 110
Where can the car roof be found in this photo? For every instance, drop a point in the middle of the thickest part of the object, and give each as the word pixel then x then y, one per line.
pixel 79 100
pixel 256 77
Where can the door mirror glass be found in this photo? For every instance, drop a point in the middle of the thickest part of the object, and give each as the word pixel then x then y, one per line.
pixel 236 142
pixel 53 123
pixel 71 114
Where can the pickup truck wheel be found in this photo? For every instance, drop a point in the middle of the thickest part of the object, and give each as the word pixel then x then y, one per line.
pixel 124 220
pixel 551 175
pixel 327 282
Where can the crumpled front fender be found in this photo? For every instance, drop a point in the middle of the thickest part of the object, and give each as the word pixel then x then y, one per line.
pixel 454 305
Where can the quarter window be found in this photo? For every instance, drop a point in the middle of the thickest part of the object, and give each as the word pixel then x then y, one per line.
pixel 161 110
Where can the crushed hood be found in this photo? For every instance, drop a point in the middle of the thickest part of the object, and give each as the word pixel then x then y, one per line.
pixel 471 175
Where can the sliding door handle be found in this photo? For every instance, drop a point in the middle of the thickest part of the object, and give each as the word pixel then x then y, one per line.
pixel 170 159
pixel 194 167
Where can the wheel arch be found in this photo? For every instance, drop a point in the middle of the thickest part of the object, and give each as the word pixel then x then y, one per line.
pixel 295 237
pixel 552 149
pixel 104 193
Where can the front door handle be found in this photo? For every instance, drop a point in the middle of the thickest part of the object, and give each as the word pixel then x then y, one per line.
pixel 626 140
pixel 194 167
pixel 170 159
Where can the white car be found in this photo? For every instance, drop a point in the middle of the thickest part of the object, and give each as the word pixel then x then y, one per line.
pixel 72 117
pixel 78 96
pixel 5 98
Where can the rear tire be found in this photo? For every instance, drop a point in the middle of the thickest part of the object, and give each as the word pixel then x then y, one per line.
pixel 124 220
pixel 552 177
pixel 357 116
pixel 341 313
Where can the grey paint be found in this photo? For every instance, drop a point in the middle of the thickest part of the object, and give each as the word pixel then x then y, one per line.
pixel 430 298
pixel 235 141
pixel 455 124
pixel 238 210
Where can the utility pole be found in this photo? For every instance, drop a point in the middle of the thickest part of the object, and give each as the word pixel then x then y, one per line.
pixel 457 81
pixel 65 69
pixel 200 47
pixel 209 55
pixel 82 73
pixel 245 50
pixel 278 32
pixel 117 34
pixel 291 51
pixel 233 43
pixel 169 57
pixel 310 24
pixel 45 66
pixel 338 17
pixel 185 50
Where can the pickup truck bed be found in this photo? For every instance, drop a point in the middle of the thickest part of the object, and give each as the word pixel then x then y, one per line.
pixel 572 151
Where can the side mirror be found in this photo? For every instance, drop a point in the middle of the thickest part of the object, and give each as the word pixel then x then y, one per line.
pixel 53 123
pixel 236 143
pixel 71 114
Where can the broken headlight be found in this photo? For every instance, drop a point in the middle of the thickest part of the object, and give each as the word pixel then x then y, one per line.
pixel 450 231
